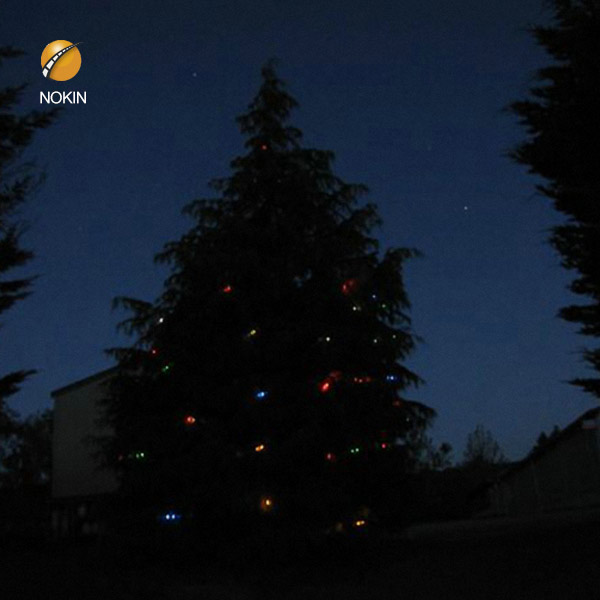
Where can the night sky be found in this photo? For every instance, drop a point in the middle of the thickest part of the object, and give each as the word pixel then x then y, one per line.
pixel 409 95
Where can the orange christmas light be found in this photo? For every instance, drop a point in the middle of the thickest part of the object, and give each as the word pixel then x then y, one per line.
pixel 266 504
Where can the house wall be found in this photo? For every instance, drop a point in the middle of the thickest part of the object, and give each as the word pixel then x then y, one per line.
pixel 75 471
pixel 566 475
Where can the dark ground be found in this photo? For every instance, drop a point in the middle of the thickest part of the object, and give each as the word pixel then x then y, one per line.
pixel 557 557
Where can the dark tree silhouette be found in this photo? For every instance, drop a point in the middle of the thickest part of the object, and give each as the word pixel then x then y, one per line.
pixel 563 126
pixel 482 449
pixel 17 181
pixel 441 457
pixel 544 439
pixel 267 379
pixel 25 457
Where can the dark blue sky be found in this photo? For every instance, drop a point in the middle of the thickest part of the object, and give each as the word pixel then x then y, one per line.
pixel 409 95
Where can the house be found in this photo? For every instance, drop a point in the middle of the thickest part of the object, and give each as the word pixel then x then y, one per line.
pixel 79 484
pixel 563 474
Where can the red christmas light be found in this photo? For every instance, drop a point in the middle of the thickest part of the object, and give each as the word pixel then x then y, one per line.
pixel 349 286
pixel 154 351
pixel 330 457
pixel 325 386
pixel 189 420
pixel 227 289
pixel 264 147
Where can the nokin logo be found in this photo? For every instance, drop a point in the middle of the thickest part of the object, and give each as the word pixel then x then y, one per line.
pixel 61 61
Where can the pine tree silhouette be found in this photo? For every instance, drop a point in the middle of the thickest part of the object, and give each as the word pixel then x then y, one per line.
pixel 266 381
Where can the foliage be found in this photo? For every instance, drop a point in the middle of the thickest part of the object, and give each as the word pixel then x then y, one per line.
pixel 17 181
pixel 441 457
pixel 482 449
pixel 544 439
pixel 267 379
pixel 563 133
pixel 428 456
pixel 25 454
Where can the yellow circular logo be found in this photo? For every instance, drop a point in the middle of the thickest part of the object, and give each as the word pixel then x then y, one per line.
pixel 61 60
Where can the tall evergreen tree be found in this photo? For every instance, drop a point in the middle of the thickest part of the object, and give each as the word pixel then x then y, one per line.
pixel 17 180
pixel 268 376
pixel 563 126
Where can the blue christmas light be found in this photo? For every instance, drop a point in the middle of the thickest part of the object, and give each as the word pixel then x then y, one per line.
pixel 261 394
pixel 391 378
pixel 171 517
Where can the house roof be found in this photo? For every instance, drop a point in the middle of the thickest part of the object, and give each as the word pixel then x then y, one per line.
pixel 568 431
pixel 83 382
